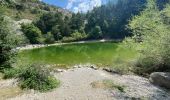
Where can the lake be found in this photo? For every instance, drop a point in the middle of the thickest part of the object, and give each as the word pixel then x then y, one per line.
pixel 100 54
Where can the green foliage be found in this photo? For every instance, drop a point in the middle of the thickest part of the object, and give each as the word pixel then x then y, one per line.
pixel 37 77
pixel 77 21
pixel 36 11
pixel 49 20
pixel 62 27
pixel 2 10
pixel 11 73
pixel 49 38
pixel 76 36
pixel 96 32
pixel 56 32
pixel 33 33
pixel 150 28
pixel 18 16
pixel 8 42
pixel 111 19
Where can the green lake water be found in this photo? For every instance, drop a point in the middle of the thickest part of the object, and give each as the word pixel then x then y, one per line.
pixel 106 54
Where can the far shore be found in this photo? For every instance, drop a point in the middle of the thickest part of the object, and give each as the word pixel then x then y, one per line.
pixel 34 46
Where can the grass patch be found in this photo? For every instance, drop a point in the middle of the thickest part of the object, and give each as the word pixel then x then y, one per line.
pixel 108 84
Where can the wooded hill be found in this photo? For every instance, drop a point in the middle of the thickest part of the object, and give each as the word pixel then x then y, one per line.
pixel 51 23
pixel 28 9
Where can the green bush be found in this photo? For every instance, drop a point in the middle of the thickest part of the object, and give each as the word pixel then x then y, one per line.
pixel 151 32
pixel 56 32
pixel 8 41
pixel 37 77
pixel 67 39
pixel 33 33
pixel 11 73
pixel 49 38
pixel 76 36
pixel 96 32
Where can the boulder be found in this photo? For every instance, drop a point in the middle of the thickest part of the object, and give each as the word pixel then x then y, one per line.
pixel 161 79
pixel 93 67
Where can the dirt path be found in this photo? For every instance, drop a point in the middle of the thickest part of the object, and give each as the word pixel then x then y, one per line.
pixel 76 85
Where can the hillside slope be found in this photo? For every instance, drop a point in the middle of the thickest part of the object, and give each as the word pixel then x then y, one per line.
pixel 27 9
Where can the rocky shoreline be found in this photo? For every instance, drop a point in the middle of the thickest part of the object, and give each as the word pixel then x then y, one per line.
pixel 34 46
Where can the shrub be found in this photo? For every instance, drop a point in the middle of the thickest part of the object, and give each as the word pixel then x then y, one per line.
pixel 37 77
pixel 67 39
pixel 49 38
pixel 48 20
pixel 96 32
pixel 11 73
pixel 56 32
pixel 20 7
pixel 36 11
pixel 8 41
pixel 33 33
pixel 76 36
pixel 151 29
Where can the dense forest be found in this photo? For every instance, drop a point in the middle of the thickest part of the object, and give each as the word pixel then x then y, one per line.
pixel 55 24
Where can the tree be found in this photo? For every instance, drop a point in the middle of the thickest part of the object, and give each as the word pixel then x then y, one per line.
pixel 32 33
pixel 78 36
pixel 56 32
pixel 111 19
pixel 8 42
pixel 49 20
pixel 152 31
pixel 77 21
pixel 96 32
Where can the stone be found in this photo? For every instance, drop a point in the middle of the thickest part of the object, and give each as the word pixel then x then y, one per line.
pixel 161 79
pixel 110 70
pixel 107 69
pixel 94 67
pixel 75 67
pixel 60 70
pixel 79 66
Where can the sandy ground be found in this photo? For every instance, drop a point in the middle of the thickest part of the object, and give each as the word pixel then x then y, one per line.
pixel 76 85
